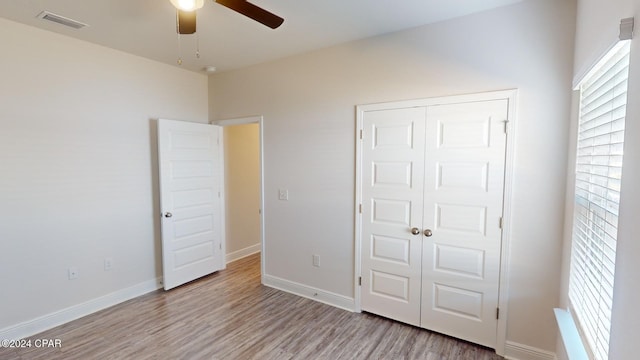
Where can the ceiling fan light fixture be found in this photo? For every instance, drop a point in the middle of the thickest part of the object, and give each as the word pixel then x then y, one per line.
pixel 187 5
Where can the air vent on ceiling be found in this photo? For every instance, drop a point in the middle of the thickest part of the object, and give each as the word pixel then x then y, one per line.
pixel 45 15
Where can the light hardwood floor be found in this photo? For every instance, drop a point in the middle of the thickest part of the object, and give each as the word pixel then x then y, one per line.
pixel 230 315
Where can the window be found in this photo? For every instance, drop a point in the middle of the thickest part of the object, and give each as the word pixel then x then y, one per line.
pixel 603 99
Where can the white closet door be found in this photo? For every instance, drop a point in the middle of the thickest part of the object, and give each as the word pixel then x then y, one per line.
pixel 190 180
pixel 392 189
pixel 463 202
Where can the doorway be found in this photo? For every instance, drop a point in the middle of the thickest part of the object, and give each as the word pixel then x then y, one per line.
pixel 242 147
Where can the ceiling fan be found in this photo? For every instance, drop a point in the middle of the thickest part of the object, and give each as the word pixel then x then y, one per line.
pixel 186 13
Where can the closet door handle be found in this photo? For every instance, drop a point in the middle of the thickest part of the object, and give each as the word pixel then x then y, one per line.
pixel 415 231
pixel 428 233
pixel 168 214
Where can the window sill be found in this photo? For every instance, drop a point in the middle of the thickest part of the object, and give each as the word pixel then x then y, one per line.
pixel 570 337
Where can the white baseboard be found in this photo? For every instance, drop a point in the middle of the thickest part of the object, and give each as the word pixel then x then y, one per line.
pixel 239 254
pixel 515 351
pixel 326 297
pixel 46 322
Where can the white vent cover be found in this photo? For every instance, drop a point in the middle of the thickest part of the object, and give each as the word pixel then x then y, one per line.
pixel 46 15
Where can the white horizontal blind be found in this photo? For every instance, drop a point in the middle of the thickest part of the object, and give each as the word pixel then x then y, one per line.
pixel 603 99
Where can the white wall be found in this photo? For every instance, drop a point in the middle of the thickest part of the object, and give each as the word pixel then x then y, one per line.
pixel 242 189
pixel 78 167
pixel 308 103
pixel 597 29
pixel 597 26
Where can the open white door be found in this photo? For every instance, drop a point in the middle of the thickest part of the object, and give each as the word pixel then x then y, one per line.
pixel 190 184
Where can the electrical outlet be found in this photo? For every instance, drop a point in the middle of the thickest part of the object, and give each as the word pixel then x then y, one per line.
pixel 283 194
pixel 108 264
pixel 73 273
pixel 316 260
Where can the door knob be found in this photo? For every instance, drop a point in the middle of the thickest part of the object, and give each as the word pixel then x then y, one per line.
pixel 428 233
pixel 168 214
pixel 415 231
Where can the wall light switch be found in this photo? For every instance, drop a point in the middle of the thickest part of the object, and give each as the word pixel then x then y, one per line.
pixel 283 194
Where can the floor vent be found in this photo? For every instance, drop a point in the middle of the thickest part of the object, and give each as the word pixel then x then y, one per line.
pixel 45 15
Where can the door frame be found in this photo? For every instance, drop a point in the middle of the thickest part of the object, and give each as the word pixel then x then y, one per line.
pixel 243 121
pixel 503 286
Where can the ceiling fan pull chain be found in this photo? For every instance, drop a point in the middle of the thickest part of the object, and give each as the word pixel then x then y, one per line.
pixel 179 61
pixel 197 45
pixel 179 51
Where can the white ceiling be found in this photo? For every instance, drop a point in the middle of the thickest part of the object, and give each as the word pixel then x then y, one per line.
pixel 228 40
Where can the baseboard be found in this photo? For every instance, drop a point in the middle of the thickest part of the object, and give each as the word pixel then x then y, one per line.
pixel 515 351
pixel 46 322
pixel 239 254
pixel 326 297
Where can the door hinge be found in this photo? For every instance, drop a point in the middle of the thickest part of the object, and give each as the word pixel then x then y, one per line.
pixel 360 280
pixel 360 208
pixel 497 313
pixel 501 223
pixel 506 126
pixel 360 134
pixel 220 246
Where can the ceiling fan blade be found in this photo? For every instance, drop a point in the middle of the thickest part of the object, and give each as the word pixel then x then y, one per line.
pixel 256 13
pixel 186 22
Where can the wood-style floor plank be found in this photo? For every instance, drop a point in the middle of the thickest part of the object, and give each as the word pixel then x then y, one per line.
pixel 230 315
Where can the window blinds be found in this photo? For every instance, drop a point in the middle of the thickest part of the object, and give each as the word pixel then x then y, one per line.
pixel 603 98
